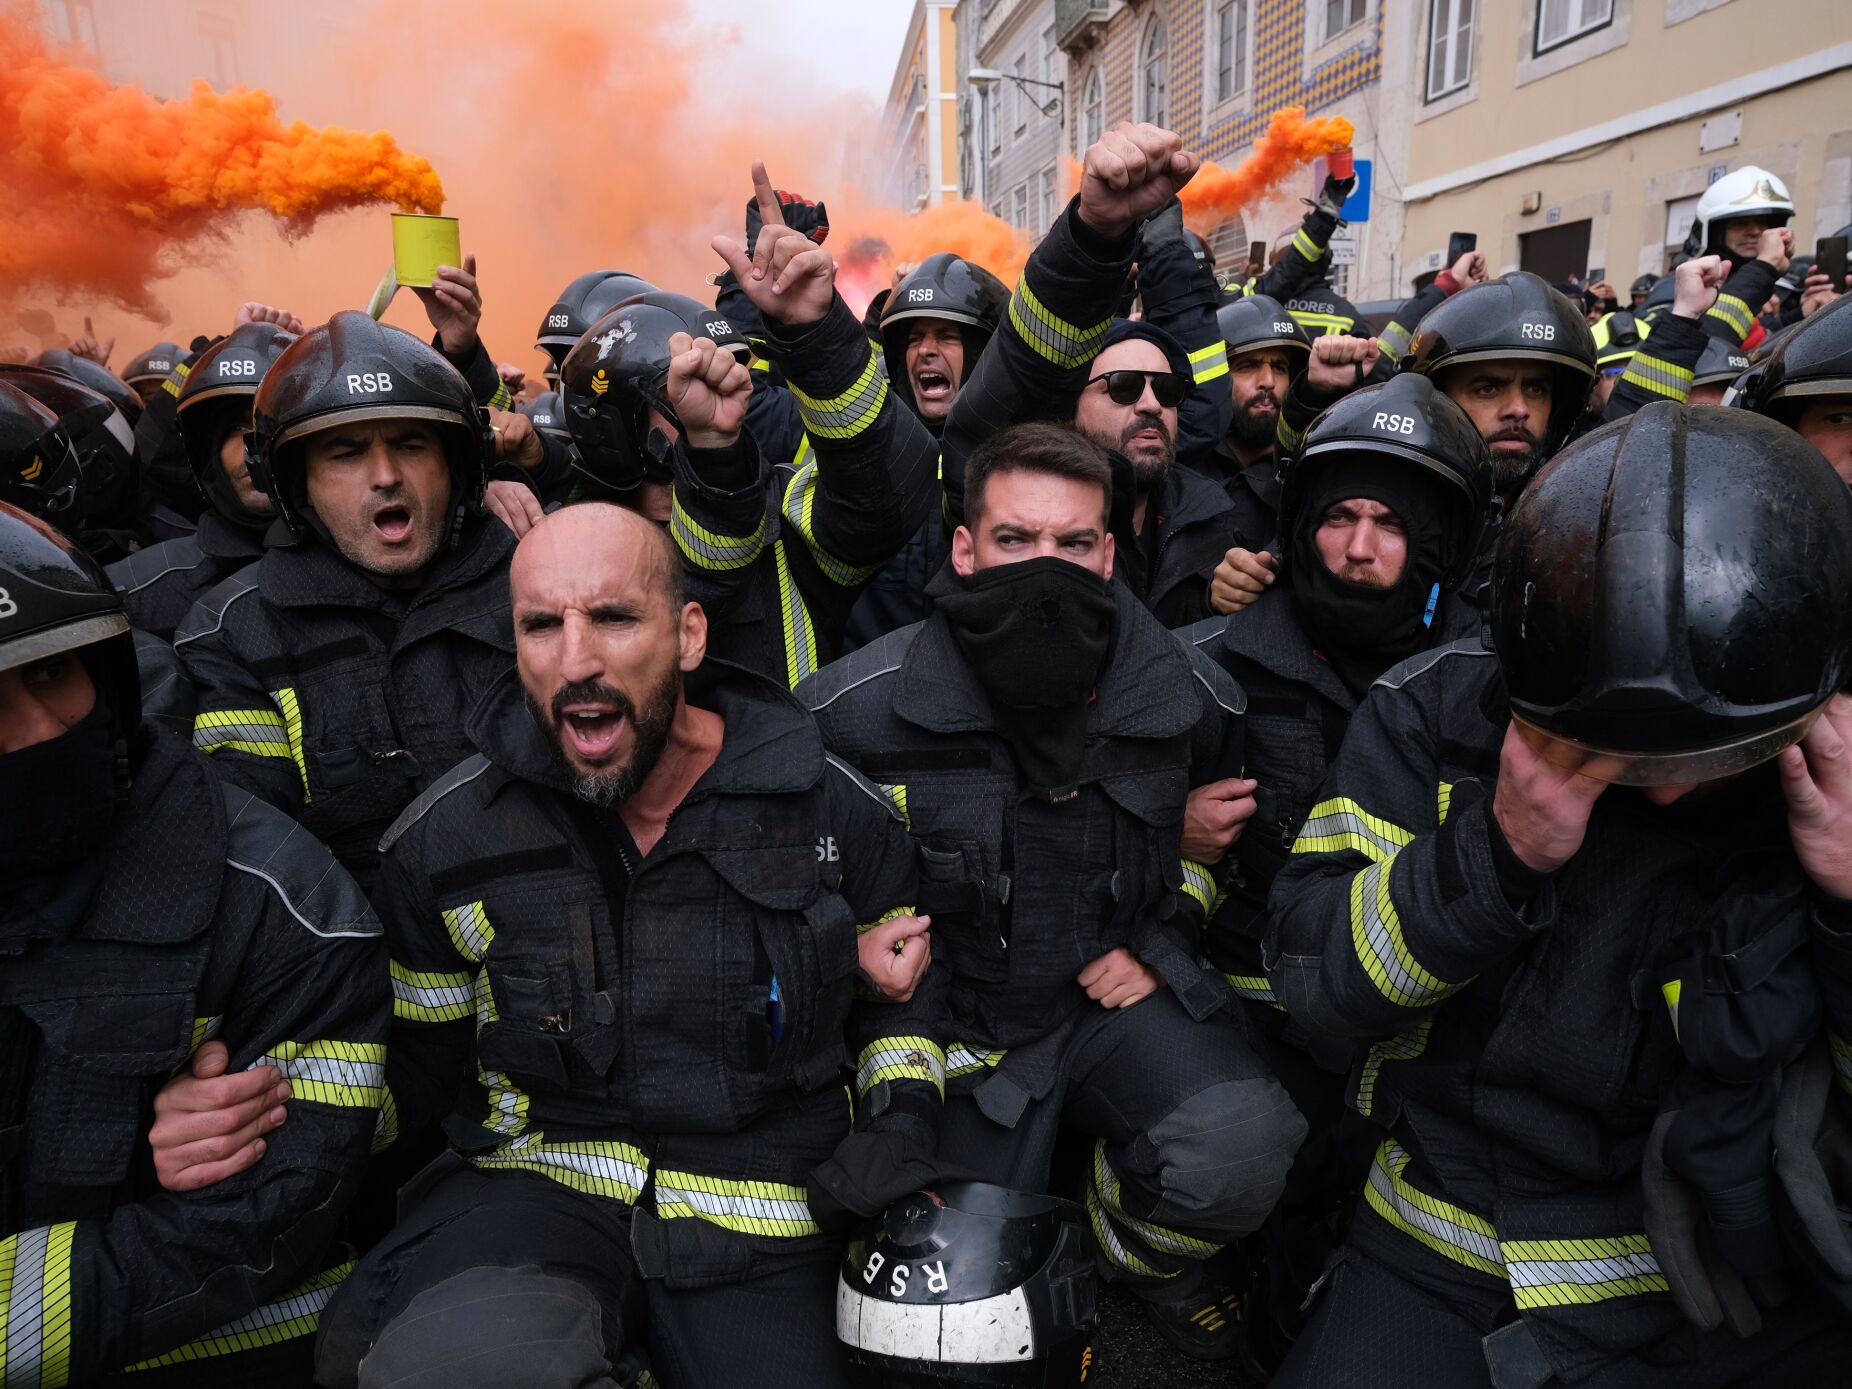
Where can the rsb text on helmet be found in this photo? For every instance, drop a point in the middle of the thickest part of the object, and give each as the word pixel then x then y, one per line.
pixel 369 383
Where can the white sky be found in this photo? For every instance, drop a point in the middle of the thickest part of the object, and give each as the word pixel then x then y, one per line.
pixel 848 45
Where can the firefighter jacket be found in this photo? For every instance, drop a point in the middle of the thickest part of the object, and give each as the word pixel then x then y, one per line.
pixel 778 552
pixel 338 700
pixel 160 585
pixel 1024 894
pixel 1179 295
pixel 1254 493
pixel 1299 270
pixel 1520 1046
pixel 1661 367
pixel 212 915
pixel 1733 316
pixel 677 1030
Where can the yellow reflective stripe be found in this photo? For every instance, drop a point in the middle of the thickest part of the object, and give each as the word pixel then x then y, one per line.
pixel 708 549
pixel 749 1208
pixel 1255 987
pixel 503 399
pixel 1448 1230
pixel 855 410
pixel 1842 1060
pixel 862 928
pixel 1106 1182
pixel 900 1058
pixel 296 1313
pixel 1376 935
pixel 1444 801
pixel 1404 1046
pixel 1199 884
pixel 423 996
pixel 1286 436
pixel 799 501
pixel 1575 1272
pixel 800 640
pixel 1305 246
pixel 1209 362
pixel 1052 337
pixel 758 364
pixel 470 931
pixel 350 1074
pixel 1734 313
pixel 259 732
pixel 35 1306
pixel 204 1030
pixel 508 1103
pixel 1341 823
pixel 292 724
pixel 1329 322
pixel 616 1171
pixel 176 378
pixel 1395 340
pixel 1112 1246
pixel 897 797
pixel 386 1127
pixel 962 1059
pixel 1659 376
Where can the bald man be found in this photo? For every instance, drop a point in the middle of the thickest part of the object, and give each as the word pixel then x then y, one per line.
pixel 624 948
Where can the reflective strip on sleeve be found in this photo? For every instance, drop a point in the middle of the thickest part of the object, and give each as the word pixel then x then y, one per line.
pixel 470 931
pixel 1376 934
pixel 616 1171
pixel 963 1060
pixel 421 996
pixel 1207 363
pixel 1305 245
pixel 386 1127
pixel 1394 341
pixel 1106 1183
pixel 1323 322
pixel 1842 1060
pixel 799 502
pixel 1733 313
pixel 1340 824
pixel 1575 1272
pixel 35 1307
pixel 296 1313
pixel 706 549
pixel 1657 375
pixel 1199 884
pixel 1443 801
pixel 350 1074
pixel 1404 1046
pixel 1254 987
pixel 747 1208
pixel 900 1058
pixel 507 1102
pixel 897 797
pixel 855 410
pixel 1286 436
pixel 204 1030
pixel 258 732
pixel 1451 1231
pixel 502 399
pixel 1049 337
pixel 799 638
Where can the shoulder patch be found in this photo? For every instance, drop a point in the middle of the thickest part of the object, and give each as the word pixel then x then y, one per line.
pixel 817 692
pixel 866 787
pixel 135 572
pixel 1222 687
pixel 317 891
pixel 208 614
pixel 462 774
pixel 1422 662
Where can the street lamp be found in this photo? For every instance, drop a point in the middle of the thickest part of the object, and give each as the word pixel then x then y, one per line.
pixel 984 77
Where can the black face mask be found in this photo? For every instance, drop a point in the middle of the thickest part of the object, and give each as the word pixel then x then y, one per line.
pixel 57 799
pixel 1037 634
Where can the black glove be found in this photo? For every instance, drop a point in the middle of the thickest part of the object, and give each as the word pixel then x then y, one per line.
pixel 1161 228
pixel 1707 1289
pixel 867 1173
pixel 800 214
pixel 1335 193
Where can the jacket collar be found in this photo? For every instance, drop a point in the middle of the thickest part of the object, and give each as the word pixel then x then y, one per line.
pixel 313 574
pixel 220 539
pixel 172 832
pixel 1268 633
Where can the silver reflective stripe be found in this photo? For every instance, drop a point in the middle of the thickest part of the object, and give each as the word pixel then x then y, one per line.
pixel 1446 1231
pixel 25 1309
pixel 1536 1273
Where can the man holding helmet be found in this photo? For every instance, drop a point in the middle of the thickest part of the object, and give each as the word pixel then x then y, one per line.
pixel 1564 891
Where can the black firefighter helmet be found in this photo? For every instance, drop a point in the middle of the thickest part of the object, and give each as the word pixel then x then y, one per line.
pixel 39 471
pixel 971 1284
pixel 98 378
pixel 547 411
pixel 1672 599
pixel 1517 317
pixel 618 371
pixel 582 303
pixel 215 399
pixel 943 286
pixel 1255 321
pixel 57 599
pixel 1813 358
pixel 153 365
pixel 1405 422
pixel 349 369
pixel 99 432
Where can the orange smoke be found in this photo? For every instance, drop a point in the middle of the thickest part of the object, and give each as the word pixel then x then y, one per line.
pixel 885 238
pixel 1216 194
pixel 101 181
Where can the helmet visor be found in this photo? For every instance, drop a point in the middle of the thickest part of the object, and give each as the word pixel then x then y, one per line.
pixel 1663 769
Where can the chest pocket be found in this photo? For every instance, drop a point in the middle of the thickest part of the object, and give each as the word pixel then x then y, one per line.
pixel 357 770
pixel 551 1020
pixel 1287 754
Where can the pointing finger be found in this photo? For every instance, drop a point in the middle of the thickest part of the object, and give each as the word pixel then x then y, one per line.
pixel 769 211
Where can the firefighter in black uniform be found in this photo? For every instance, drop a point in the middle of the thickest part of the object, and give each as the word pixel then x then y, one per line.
pixel 1562 894
pixel 160 584
pixel 1267 350
pixel 1040 732
pixel 624 952
pixel 105 446
pixel 335 674
pixel 1805 381
pixel 147 905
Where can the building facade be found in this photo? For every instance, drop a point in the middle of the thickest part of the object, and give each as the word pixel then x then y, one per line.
pixel 1574 136
pixel 916 151
pixel 1013 112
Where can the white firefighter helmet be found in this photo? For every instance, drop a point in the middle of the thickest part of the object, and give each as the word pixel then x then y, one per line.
pixel 1749 192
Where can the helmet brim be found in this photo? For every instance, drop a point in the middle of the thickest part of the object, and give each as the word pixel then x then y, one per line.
pixel 358 413
pixel 28 647
pixel 1516 354
pixel 1693 767
pixel 945 315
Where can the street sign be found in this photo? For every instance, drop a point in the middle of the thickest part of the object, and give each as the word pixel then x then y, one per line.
pixel 1357 205
pixel 1344 247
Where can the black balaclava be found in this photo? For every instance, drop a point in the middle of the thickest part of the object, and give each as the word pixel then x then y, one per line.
pixel 57 799
pixel 1361 630
pixel 1037 634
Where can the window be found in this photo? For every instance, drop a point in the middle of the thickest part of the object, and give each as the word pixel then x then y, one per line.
pixel 1050 208
pixel 1156 68
pixel 1019 94
pixel 1231 48
pixel 1050 62
pixel 1680 214
pixel 77 23
pixel 1559 21
pixel 1019 206
pixel 1341 14
pixel 1450 45
pixel 993 120
pixel 1092 122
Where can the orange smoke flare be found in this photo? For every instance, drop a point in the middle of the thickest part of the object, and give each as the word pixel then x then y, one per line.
pixel 886 238
pixel 1216 194
pixel 104 182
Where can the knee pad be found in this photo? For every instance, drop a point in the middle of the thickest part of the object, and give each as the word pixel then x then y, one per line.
pixel 1224 1152
pixel 488 1327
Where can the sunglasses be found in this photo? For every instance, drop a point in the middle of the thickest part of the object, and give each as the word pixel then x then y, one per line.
pixel 1128 387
